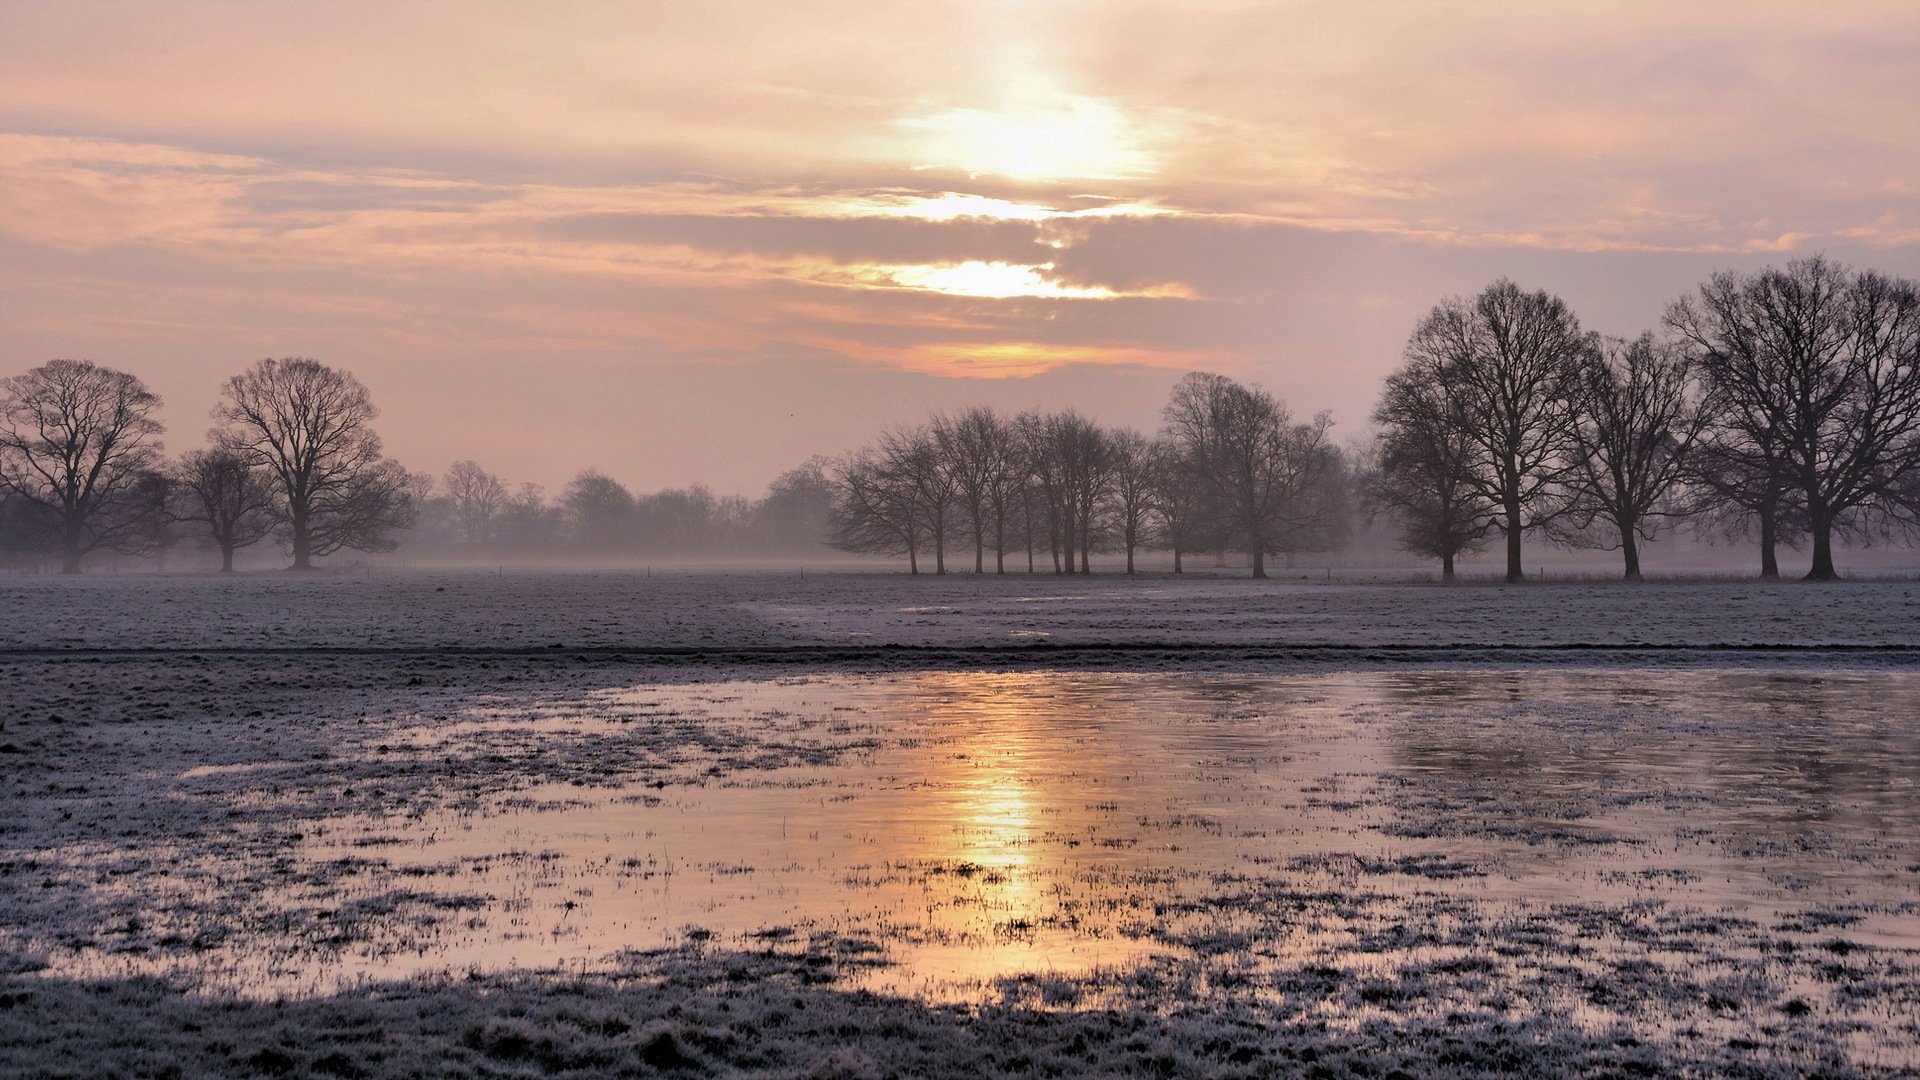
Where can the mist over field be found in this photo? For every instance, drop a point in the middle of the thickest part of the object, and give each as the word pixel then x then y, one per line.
pixel 959 539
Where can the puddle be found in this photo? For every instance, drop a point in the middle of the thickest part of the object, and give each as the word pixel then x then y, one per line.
pixel 975 827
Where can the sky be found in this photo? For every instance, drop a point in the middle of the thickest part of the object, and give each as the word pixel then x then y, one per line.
pixel 700 242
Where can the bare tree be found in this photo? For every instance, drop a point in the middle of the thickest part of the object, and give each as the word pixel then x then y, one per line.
pixel 1134 472
pixel 1256 463
pixel 233 498
pixel 309 426
pixel 1508 359
pixel 1178 499
pixel 1044 501
pixel 1739 483
pixel 478 497
pixel 876 509
pixel 76 439
pixel 1824 365
pixel 911 457
pixel 1637 424
pixel 1423 469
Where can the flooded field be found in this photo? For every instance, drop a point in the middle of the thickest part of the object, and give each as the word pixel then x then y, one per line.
pixel 1692 850
pixel 1688 851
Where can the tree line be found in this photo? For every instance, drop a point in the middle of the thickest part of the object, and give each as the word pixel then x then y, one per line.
pixel 1781 405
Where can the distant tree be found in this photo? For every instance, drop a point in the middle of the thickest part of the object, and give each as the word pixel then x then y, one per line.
pixel 978 450
pixel 1178 499
pixel 912 458
pixel 1258 466
pixel 222 490
pixel 1423 469
pixel 600 511
pixel 77 441
pixel 876 508
pixel 526 523
pixel 1509 362
pixel 309 427
pixel 1822 366
pixel 1636 425
pixel 798 509
pixel 680 520
pixel 1045 499
pixel 478 496
pixel 1134 475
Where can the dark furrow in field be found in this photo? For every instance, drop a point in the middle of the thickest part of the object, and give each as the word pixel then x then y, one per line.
pixel 1041 652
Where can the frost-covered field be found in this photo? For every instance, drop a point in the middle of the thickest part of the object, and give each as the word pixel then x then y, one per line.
pixel 629 611
pixel 854 825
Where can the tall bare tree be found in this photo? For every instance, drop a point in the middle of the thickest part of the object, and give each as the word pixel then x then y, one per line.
pixel 478 497
pixel 1423 469
pixel 310 427
pixel 76 439
pixel 876 509
pixel 1178 499
pixel 1825 364
pixel 1509 360
pixel 1133 472
pixel 1637 424
pixel 976 449
pixel 911 456
pixel 1258 465
pixel 232 497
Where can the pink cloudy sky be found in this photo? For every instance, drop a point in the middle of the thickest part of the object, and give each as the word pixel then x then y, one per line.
pixel 700 241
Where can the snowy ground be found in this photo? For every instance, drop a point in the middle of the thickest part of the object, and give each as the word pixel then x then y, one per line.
pixel 597 824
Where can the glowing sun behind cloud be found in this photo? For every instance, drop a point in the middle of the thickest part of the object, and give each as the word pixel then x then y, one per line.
pixel 1043 137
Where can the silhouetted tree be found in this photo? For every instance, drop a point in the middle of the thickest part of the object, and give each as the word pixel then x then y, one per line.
pixel 1177 498
pixel 76 442
pixel 1508 360
pixel 221 489
pixel 309 427
pixel 600 511
pixel 798 509
pixel 1423 470
pixel 1133 471
pixel 977 451
pixel 1258 466
pixel 1636 424
pixel 477 496
pixel 1823 365
pixel 911 457
pixel 876 509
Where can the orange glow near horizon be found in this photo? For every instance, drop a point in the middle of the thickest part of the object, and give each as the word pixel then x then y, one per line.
pixel 881 208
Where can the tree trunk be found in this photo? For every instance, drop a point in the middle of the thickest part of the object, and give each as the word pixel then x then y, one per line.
pixel 913 558
pixel 1129 555
pixel 999 542
pixel 1769 543
pixel 1257 553
pixel 1514 571
pixel 1632 553
pixel 226 558
pixel 979 544
pixel 1176 559
pixel 1446 567
pixel 302 542
pixel 1822 525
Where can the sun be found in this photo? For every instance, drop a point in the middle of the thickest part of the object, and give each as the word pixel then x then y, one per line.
pixel 1060 137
